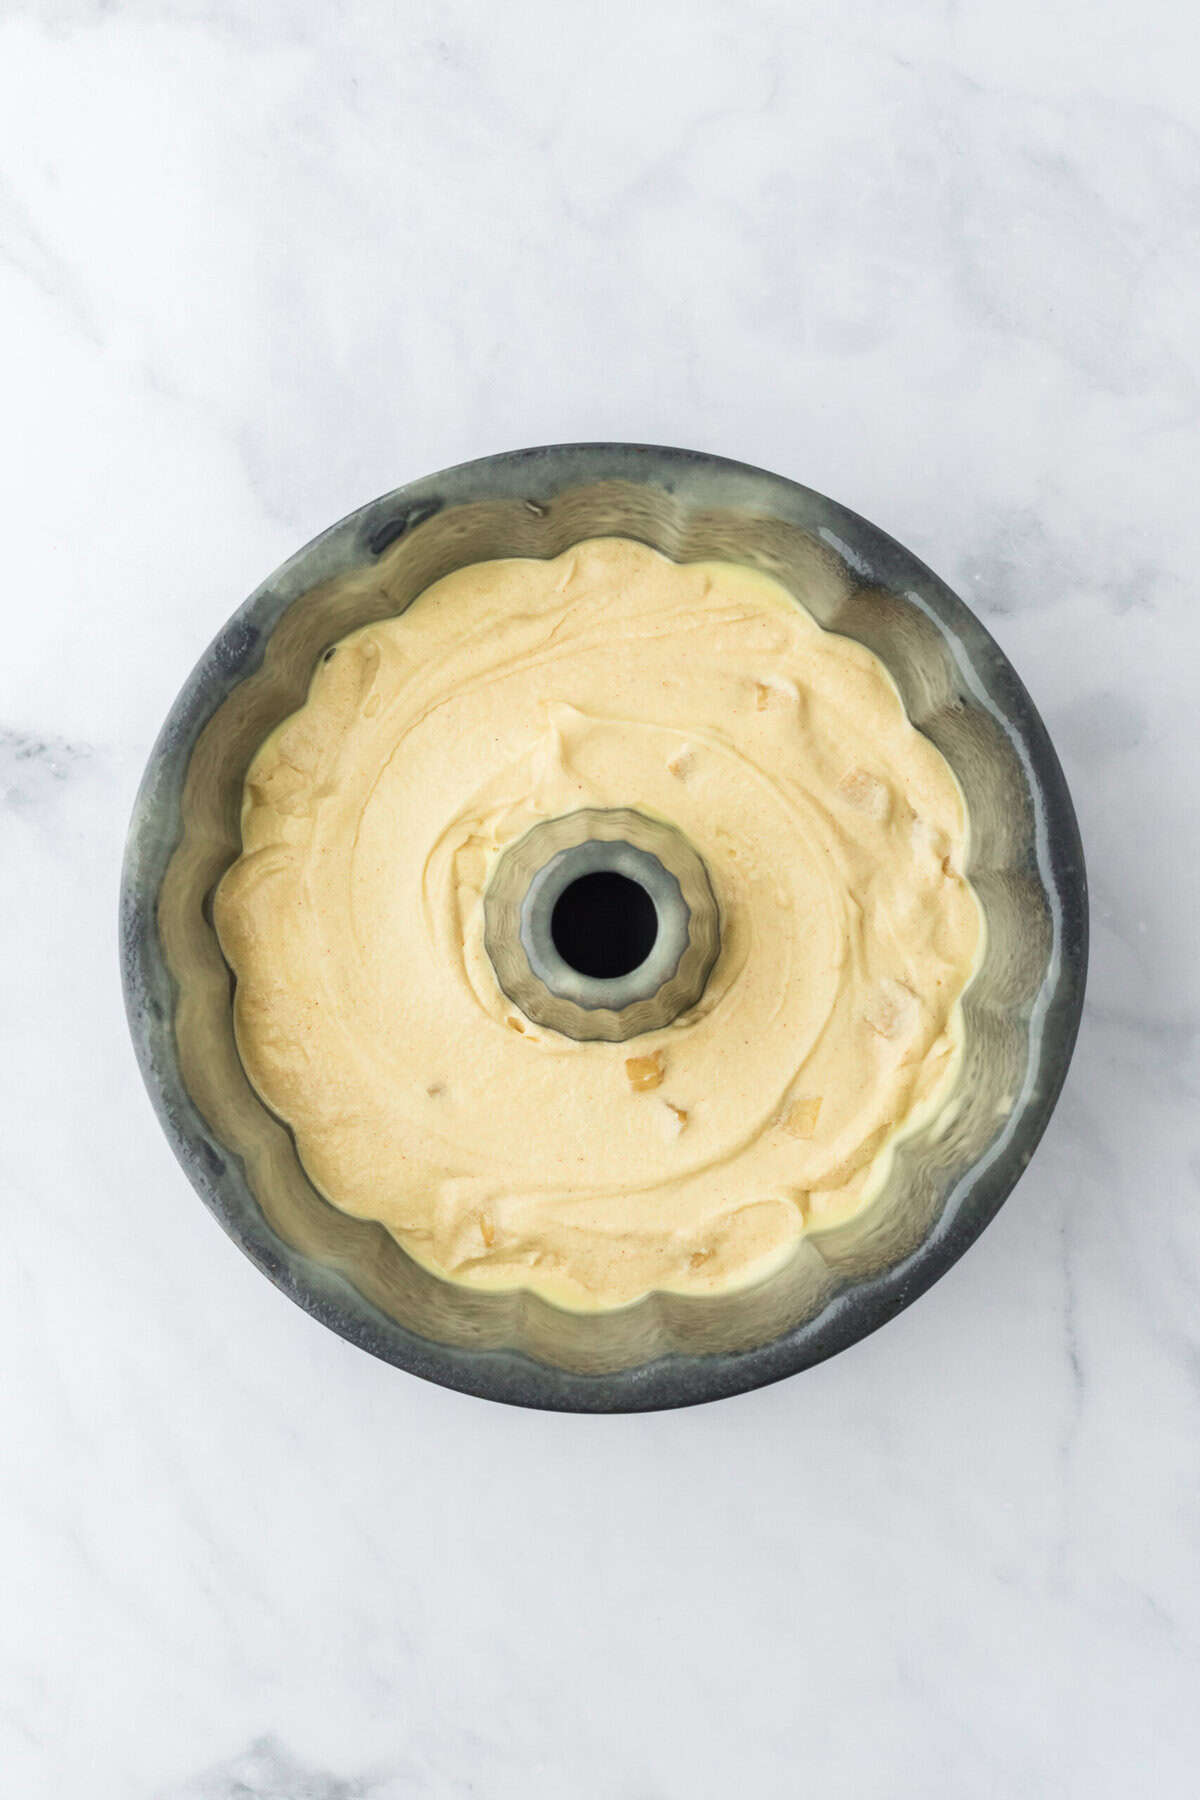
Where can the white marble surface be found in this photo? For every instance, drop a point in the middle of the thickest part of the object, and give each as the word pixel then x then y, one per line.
pixel 262 259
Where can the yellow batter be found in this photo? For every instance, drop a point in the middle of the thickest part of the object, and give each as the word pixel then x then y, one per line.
pixel 368 1016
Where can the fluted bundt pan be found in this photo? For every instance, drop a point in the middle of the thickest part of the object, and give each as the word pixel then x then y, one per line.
pixel 1021 1010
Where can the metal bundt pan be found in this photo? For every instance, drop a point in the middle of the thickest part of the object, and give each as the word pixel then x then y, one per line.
pixel 1021 1011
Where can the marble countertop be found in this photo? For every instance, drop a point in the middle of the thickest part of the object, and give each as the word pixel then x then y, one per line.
pixel 261 262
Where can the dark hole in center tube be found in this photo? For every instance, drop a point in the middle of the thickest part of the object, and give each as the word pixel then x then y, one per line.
pixel 604 925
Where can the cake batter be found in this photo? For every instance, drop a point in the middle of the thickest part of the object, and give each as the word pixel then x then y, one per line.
pixel 499 1153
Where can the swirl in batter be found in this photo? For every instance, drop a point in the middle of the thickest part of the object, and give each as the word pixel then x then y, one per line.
pixel 498 1153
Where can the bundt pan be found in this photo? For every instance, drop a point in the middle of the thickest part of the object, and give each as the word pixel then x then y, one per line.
pixel 1021 1010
